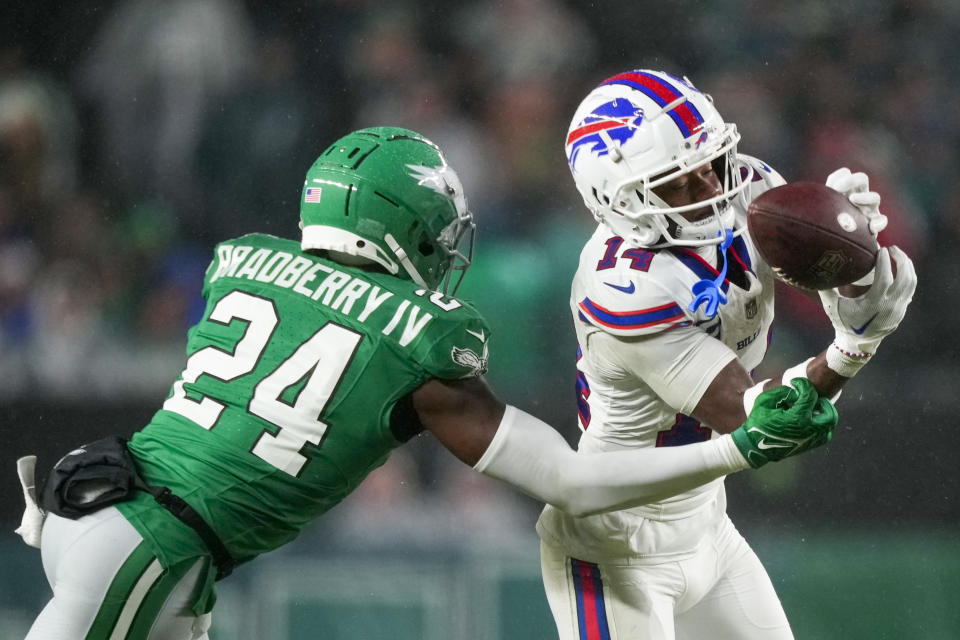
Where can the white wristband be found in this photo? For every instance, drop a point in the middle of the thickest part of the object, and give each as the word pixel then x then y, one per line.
pixel 796 371
pixel 800 371
pixel 846 363
pixel 750 396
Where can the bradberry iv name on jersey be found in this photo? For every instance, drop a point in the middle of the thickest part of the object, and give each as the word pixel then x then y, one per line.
pixel 344 292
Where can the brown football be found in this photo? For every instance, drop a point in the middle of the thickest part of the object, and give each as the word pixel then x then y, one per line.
pixel 812 235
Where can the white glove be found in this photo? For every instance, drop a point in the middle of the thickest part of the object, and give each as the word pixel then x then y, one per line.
pixel 32 522
pixel 861 323
pixel 856 186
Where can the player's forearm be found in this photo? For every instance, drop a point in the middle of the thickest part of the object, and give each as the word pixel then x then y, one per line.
pixel 825 380
pixel 721 406
pixel 533 457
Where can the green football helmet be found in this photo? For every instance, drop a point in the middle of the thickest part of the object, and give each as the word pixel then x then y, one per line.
pixel 386 195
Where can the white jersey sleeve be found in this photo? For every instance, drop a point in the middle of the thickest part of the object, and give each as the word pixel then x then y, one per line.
pixel 677 365
pixel 764 176
pixel 626 292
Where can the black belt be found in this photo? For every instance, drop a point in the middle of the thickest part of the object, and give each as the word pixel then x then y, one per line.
pixel 187 515
pixel 107 466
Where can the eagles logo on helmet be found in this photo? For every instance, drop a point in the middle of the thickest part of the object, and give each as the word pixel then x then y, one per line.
pixel 639 130
pixel 374 205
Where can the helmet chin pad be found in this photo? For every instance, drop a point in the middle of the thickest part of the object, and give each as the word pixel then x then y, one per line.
pixel 346 247
pixel 710 228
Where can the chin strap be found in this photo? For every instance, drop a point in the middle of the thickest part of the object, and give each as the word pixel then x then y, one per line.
pixel 709 292
pixel 404 260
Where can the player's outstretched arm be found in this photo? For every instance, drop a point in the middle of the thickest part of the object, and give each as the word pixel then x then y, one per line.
pixel 862 316
pixel 860 323
pixel 509 444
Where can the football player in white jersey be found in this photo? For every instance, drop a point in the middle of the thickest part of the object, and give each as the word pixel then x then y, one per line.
pixel 672 306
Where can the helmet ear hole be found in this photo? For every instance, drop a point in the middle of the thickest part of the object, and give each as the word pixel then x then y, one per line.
pixel 425 247
pixel 602 199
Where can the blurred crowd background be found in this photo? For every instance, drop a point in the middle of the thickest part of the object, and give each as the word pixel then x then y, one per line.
pixel 136 134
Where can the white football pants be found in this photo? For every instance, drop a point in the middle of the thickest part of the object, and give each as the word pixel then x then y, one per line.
pixel 107 585
pixel 721 593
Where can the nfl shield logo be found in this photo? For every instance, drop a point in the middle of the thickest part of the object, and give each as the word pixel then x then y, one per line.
pixel 751 308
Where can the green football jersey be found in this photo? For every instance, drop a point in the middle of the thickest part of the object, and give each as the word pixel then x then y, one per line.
pixel 291 380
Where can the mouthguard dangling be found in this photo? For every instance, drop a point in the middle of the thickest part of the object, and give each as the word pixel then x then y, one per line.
pixel 708 292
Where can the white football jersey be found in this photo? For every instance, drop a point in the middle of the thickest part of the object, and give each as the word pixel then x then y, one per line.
pixel 646 357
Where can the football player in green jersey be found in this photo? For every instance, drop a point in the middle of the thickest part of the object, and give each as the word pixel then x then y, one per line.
pixel 313 360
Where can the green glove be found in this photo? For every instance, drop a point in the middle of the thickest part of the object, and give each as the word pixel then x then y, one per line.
pixel 785 421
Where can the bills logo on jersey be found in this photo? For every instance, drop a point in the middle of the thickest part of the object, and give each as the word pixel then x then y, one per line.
pixel 616 120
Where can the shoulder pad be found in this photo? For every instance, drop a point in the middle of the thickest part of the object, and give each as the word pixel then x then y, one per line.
pixel 625 304
pixel 253 236
pixel 456 344
pixel 764 176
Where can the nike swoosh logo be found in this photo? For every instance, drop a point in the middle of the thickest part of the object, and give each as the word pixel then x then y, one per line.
pixel 478 336
pixel 860 331
pixel 628 289
pixel 763 444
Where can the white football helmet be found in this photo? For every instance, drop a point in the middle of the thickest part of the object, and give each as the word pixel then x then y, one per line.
pixel 641 129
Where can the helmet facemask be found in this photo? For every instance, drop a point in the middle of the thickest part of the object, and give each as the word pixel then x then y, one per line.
pixel 635 198
pixel 461 231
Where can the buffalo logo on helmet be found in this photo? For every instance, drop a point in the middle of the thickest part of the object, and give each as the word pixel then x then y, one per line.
pixel 615 120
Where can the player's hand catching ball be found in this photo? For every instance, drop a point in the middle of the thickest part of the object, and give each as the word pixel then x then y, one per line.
pixel 856 186
pixel 861 323
pixel 784 422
